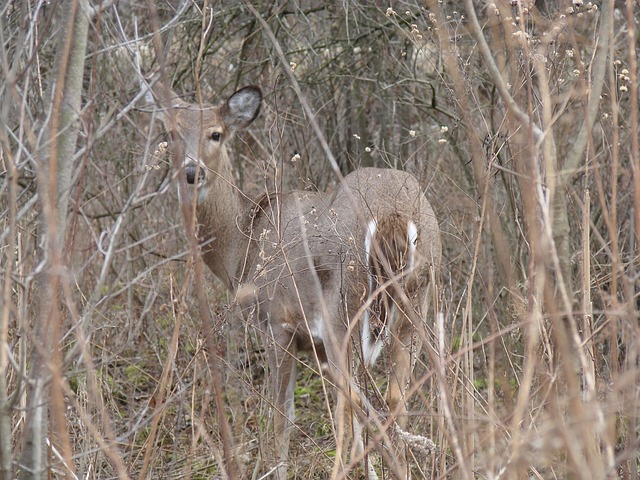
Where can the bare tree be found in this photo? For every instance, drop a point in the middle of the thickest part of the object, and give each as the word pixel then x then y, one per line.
pixel 54 161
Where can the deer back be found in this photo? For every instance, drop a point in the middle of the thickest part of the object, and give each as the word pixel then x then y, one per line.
pixel 310 265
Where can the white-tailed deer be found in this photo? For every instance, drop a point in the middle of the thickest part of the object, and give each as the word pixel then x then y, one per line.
pixel 343 274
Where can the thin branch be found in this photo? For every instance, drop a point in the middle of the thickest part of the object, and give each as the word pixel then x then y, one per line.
pixel 311 116
pixel 495 74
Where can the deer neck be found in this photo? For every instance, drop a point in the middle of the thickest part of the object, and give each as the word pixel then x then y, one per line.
pixel 223 220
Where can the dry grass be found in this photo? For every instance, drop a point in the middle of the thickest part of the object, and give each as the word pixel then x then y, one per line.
pixel 532 371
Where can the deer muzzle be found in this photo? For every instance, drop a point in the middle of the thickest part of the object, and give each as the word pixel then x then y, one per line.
pixel 194 173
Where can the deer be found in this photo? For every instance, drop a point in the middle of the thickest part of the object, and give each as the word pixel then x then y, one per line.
pixel 343 274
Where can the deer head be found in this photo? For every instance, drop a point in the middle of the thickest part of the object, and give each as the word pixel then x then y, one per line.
pixel 204 130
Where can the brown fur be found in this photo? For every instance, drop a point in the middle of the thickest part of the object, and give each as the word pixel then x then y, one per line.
pixel 389 258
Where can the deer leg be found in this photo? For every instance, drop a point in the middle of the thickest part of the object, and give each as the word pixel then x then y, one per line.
pixel 404 349
pixel 347 427
pixel 357 447
pixel 282 363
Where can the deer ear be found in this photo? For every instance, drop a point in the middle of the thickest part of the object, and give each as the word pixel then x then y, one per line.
pixel 242 107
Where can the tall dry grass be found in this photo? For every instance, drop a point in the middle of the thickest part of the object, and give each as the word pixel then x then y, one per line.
pixel 521 121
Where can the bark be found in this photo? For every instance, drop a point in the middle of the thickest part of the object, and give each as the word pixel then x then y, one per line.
pixel 54 171
pixel 575 157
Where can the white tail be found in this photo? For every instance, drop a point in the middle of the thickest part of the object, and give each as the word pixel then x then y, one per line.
pixel 343 274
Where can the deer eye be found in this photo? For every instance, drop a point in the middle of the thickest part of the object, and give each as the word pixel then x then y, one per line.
pixel 215 136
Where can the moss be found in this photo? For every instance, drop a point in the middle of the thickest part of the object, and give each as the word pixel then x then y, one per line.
pixel 136 376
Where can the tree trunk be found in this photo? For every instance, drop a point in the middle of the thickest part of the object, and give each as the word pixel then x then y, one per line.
pixel 54 172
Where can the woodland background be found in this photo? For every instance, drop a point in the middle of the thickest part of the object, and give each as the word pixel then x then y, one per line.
pixel 520 118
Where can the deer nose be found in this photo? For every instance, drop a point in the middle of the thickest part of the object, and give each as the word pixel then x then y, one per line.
pixel 191 171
